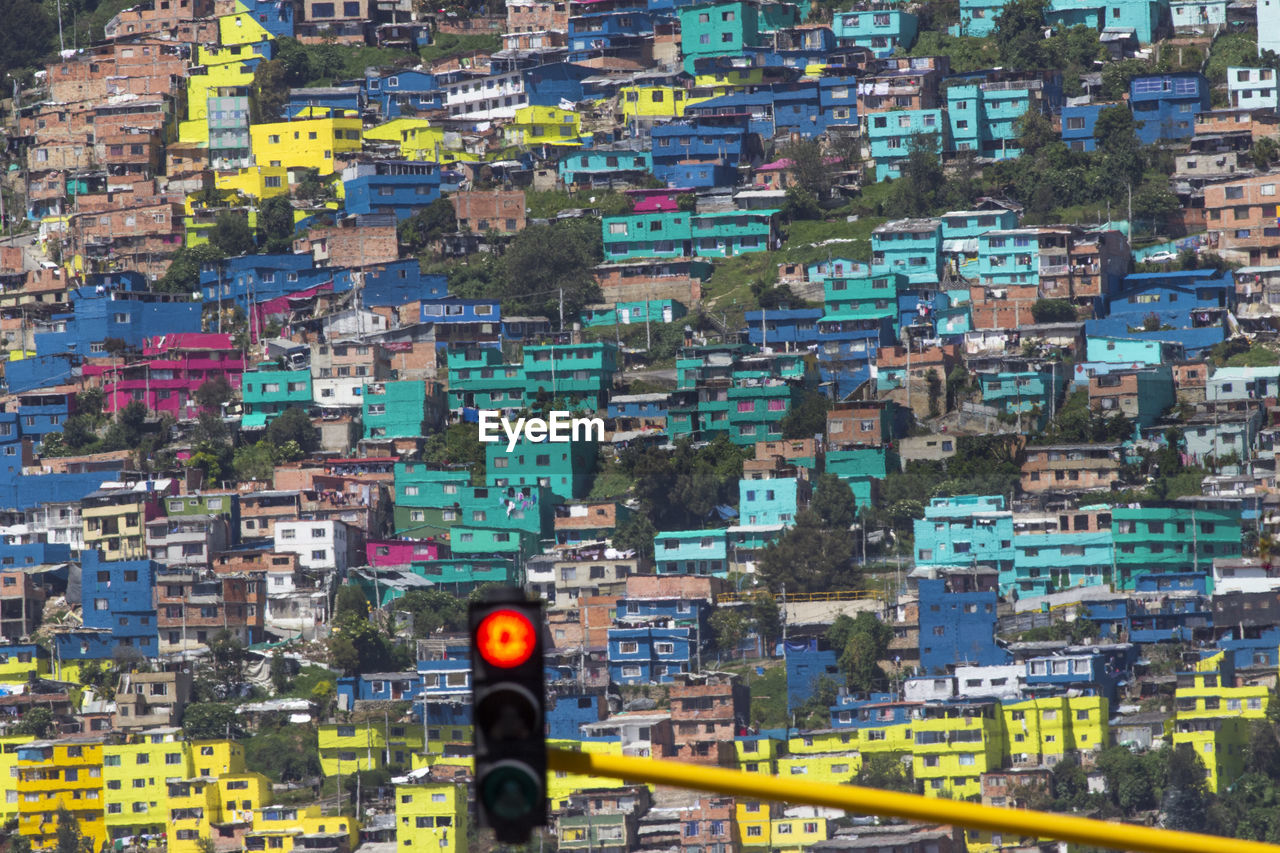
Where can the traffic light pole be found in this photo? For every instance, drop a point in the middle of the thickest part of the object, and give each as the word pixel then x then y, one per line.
pixel 871 801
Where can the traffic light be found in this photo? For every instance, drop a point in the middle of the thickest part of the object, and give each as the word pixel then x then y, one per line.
pixel 508 714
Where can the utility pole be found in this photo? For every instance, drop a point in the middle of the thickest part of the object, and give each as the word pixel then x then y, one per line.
pixel 562 310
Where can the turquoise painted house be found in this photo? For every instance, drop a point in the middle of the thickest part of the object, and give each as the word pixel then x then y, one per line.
pixel 771 501
pixel 1050 562
pixel 626 313
pixel 564 468
pixel 1144 18
pixel 581 372
pixel 863 469
pixel 691 552
pixel 909 247
pixel 889 135
pixel 966 530
pixel 480 378
pixel 270 390
pixel 1031 393
pixel 977 18
pixel 984 113
pixel 881 30
pixel 1130 351
pixel 406 409
pixel 680 234
pixel 725 29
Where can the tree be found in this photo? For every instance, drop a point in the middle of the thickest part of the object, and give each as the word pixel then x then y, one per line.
pixel 255 462
pixel 270 90
pixel 459 444
pixel 1019 35
pixel 183 274
pixel 860 643
pixel 833 502
pixel 212 393
pixel 885 771
pixel 729 627
pixel 426 226
pixel 1053 311
pixel 231 234
pixel 275 224
pixel 280 678
pixel 815 553
pixel 933 383
pixel 767 617
pixel 1120 150
pixel 350 603
pixel 293 424
pixel 68 837
pixel 544 262
pixel 433 610
pixel 1186 796
pixel 808 417
pixel 37 722
pixel 636 534
pixel 1153 205
pixel 26 36
pixel 224 671
pixel 808 167
pixel 210 721
pixel 916 193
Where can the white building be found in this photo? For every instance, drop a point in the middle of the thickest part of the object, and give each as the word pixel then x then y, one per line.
pixel 1252 88
pixel 325 545
pixel 1268 12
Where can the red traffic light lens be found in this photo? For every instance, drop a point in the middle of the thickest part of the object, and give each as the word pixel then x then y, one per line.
pixel 506 638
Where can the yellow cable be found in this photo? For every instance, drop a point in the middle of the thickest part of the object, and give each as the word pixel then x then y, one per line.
pixel 852 798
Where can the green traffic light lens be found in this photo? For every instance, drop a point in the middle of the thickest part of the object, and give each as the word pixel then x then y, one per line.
pixel 510 792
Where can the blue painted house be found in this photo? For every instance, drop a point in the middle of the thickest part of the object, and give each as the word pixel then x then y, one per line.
pixel 649 655
pixel 398 187
pixel 394 91
pixel 116 306
pixel 1186 307
pixel 399 282
pixel 1078 121
pixel 808 661
pixel 1165 105
pixel 260 278
pixel 697 154
pixel 957 625
pixel 118 609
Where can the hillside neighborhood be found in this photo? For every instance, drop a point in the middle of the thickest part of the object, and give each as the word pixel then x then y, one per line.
pixel 926 354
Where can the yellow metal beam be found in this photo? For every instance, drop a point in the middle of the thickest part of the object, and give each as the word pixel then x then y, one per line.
pixel 852 798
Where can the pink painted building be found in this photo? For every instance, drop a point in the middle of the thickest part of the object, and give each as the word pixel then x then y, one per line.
pixel 402 552
pixel 172 367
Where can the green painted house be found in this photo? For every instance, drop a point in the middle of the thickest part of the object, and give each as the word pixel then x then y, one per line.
pixel 269 390
pixel 564 468
pixel 724 29
pixel 480 378
pixel 406 409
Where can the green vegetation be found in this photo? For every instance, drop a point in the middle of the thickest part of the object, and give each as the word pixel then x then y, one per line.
pixel 446 45
pixel 817 552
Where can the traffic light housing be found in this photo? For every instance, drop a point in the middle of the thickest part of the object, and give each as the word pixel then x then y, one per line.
pixel 508 709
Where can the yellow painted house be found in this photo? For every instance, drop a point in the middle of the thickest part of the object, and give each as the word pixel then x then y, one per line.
pixel 561 784
pixel 347 747
pixel 754 826
pixel 757 755
pixel 954 746
pixel 61 774
pixel 538 125
pixel 431 817
pixel 791 835
pixel 21 662
pixel 259 182
pixel 239 27
pixel 305 144
pixel 214 69
pixel 193 809
pixel 1046 729
pixel 136 781
pixel 9 770
pixel 284 828
pixel 1206 692
pixel 417 139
